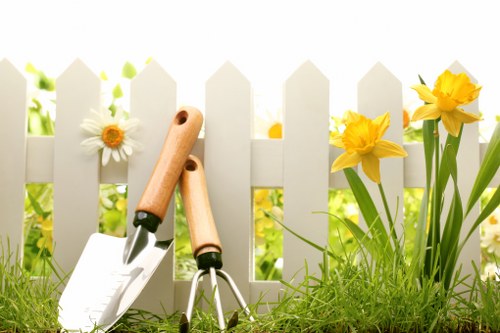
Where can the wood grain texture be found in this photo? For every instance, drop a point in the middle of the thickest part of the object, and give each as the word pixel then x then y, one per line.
pixel 202 228
pixel 180 139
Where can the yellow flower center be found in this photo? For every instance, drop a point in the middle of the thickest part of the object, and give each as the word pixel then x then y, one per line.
pixel 361 136
pixel 453 90
pixel 112 136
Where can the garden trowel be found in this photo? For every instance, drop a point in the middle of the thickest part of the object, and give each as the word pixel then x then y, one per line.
pixel 112 271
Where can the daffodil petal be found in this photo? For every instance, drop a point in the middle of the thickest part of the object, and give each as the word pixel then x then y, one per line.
pixel 337 141
pixel 424 93
pixel 385 148
pixel 350 116
pixel 429 111
pixel 371 167
pixel 345 160
pixel 383 122
pixel 465 117
pixel 451 124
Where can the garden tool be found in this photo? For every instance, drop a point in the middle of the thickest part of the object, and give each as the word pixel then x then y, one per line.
pixel 205 243
pixel 112 271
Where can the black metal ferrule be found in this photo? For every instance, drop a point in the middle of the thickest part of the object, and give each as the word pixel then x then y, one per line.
pixel 147 220
pixel 208 260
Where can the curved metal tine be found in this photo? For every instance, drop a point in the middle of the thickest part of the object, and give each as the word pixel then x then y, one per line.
pixel 218 304
pixel 236 292
pixel 186 317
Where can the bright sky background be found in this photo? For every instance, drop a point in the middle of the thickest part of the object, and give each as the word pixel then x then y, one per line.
pixel 266 40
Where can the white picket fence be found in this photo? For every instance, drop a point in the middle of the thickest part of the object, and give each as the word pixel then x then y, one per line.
pixel 235 163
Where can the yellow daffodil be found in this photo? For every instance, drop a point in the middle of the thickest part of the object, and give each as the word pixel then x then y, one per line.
pixel 362 140
pixel 450 91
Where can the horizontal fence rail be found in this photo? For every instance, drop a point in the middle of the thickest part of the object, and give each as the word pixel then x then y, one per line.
pixel 234 161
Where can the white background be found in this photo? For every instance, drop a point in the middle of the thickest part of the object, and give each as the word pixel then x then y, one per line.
pixel 266 40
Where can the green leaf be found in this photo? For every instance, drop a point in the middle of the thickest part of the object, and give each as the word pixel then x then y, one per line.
pixel 129 71
pixel 444 170
pixel 103 76
pixel 454 221
pixel 36 206
pixel 487 170
pixel 117 91
pixel 490 207
pixel 428 134
pixel 363 239
pixel 30 68
pixel 367 206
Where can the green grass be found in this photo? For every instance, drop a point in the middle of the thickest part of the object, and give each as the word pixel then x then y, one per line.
pixel 361 297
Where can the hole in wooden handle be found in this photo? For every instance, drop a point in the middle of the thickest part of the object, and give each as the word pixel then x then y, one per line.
pixel 181 117
pixel 191 165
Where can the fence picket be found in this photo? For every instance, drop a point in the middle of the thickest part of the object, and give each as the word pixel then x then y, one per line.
pixel 379 91
pixel 306 169
pixel 13 152
pixel 227 166
pixel 468 159
pixel 76 174
pixel 153 102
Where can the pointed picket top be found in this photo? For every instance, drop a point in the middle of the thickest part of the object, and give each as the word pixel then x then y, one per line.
pixel 13 150
pixel 228 72
pixel 151 71
pixel 456 67
pixel 77 69
pixel 305 72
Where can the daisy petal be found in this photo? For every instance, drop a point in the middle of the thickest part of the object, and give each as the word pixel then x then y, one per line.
pixel 385 148
pixel 371 167
pixel 429 111
pixel 345 160
pixel 106 154
pixel 115 154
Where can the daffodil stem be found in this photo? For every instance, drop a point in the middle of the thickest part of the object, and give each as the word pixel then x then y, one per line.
pixel 436 206
pixel 389 216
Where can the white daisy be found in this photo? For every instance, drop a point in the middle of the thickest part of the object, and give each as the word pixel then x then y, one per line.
pixel 111 134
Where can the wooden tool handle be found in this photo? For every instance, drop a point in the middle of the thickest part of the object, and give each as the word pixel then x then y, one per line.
pixel 179 141
pixel 204 236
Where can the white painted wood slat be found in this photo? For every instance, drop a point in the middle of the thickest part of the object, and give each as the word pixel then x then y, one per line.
pixel 153 102
pixel 13 126
pixel 76 174
pixel 306 169
pixel 227 163
pixel 379 91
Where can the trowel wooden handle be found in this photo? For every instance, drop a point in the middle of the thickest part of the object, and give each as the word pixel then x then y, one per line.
pixel 179 141
pixel 204 236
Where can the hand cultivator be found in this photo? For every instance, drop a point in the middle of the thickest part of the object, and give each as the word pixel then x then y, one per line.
pixel 205 243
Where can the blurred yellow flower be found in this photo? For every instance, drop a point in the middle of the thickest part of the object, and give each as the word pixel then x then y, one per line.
pixel 450 91
pixel 46 241
pixel 362 140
